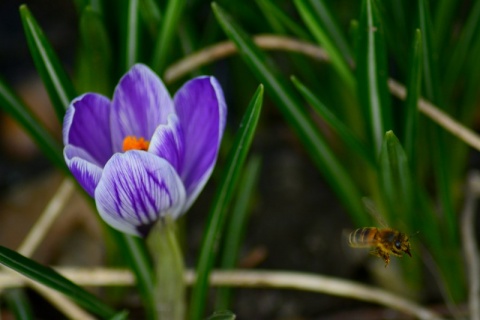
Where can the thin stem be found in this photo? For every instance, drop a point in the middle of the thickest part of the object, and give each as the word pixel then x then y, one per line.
pixel 47 218
pixel 227 48
pixel 271 42
pixel 252 279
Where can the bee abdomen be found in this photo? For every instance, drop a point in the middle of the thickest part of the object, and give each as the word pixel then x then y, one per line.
pixel 362 237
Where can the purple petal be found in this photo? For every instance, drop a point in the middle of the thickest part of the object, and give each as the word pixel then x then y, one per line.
pixel 86 170
pixel 87 125
pixel 202 111
pixel 168 142
pixel 140 104
pixel 136 189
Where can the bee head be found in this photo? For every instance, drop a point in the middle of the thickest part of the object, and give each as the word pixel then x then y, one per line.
pixel 402 244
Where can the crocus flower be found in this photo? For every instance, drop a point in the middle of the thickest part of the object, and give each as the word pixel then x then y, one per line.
pixel 144 155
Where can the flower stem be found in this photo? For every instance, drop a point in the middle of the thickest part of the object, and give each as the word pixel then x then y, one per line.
pixel 169 270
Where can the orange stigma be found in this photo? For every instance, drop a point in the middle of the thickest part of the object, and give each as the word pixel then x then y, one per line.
pixel 134 143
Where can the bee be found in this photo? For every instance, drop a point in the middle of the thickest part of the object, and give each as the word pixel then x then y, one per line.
pixel 382 241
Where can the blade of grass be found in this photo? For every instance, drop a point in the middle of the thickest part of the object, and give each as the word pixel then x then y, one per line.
pixel 18 303
pixel 468 38
pixel 439 156
pixel 330 24
pixel 280 21
pixel 222 315
pixel 392 13
pixel 445 11
pixel 54 280
pixel 131 34
pixel 293 111
pixel 217 214
pixel 151 15
pixel 395 180
pixel 347 136
pixel 321 34
pixel 12 105
pixel 168 29
pixel 398 191
pixel 372 75
pixel 96 58
pixel 236 226
pixel 411 102
pixel 59 87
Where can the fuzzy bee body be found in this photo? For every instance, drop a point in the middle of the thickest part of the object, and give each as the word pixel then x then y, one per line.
pixel 383 242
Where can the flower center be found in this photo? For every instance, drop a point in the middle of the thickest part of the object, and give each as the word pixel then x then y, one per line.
pixel 134 143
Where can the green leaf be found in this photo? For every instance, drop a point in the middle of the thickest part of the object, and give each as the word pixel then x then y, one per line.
pixel 413 94
pixel 395 179
pixel 217 215
pixel 439 156
pixel 347 136
pixel 18 303
pixel 96 56
pixel 372 75
pixel 235 232
pixel 430 56
pixel 321 24
pixel 168 29
pixel 131 44
pixel 458 61
pixel 151 15
pixel 54 280
pixel 58 85
pixel 293 111
pixel 12 105
pixel 280 21
pixel 123 315
pixel 444 14
pixel 222 315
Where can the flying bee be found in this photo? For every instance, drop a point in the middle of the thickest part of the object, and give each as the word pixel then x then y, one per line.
pixel 382 241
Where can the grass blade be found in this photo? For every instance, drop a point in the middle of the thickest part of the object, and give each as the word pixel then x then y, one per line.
pixel 168 29
pixel 463 48
pixel 294 113
pixel 439 155
pixel 222 315
pixel 58 85
pixel 322 35
pixel 280 21
pixel 217 215
pixel 12 105
pixel 347 136
pixel 130 49
pixel 372 74
pixel 18 303
pixel 395 179
pixel 413 94
pixel 236 226
pixel 95 65
pixel 151 16
pixel 54 280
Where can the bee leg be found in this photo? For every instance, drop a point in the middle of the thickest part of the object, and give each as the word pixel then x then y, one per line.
pixel 376 252
pixel 384 255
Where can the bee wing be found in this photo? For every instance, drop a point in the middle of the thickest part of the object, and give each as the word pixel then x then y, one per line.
pixel 373 211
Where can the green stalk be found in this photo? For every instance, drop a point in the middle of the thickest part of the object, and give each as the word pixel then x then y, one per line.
pixel 169 287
